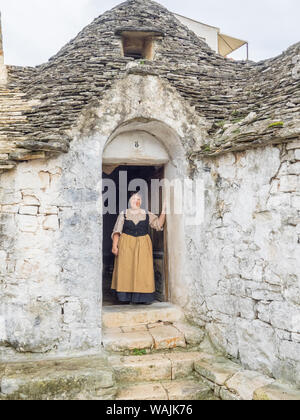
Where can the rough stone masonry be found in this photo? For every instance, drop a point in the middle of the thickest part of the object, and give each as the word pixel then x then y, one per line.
pixel 237 127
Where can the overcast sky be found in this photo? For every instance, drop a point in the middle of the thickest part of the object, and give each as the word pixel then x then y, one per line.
pixel 34 30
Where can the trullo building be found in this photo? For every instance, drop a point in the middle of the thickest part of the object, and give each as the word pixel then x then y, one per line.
pixel 137 91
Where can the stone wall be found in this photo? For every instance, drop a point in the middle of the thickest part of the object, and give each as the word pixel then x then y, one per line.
pixel 244 260
pixel 49 275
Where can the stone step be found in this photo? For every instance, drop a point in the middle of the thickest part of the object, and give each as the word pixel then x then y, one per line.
pixel 81 378
pixel 152 337
pixel 188 389
pixel 154 367
pixel 117 341
pixel 132 315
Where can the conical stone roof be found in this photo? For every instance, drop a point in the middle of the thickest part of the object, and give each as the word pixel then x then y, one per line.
pixel 52 96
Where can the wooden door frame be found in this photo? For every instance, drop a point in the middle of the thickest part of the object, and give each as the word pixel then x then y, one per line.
pixel 165 244
pixel 166 254
pixel 165 238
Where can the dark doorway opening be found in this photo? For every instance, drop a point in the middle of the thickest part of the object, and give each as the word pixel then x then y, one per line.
pixel 146 173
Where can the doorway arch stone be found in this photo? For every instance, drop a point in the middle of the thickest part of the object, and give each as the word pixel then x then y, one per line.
pixel 159 145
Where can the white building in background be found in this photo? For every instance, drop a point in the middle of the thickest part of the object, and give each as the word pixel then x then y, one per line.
pixel 220 43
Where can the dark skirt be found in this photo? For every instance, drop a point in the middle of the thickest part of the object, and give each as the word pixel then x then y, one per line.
pixel 135 297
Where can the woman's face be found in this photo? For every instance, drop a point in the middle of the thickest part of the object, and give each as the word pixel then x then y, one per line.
pixel 135 202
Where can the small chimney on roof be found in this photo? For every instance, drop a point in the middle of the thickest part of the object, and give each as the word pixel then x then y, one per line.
pixel 3 71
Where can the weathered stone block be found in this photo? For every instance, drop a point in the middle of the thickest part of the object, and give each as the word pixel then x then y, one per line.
pixel 224 336
pixel 217 370
pixel 226 304
pixel 277 392
pixel 119 316
pixel 31 179
pixel 294 169
pixel 30 200
pixel 183 363
pixel 33 325
pixel 297 154
pixel 285 316
pixel 293 145
pixel 29 210
pixel 155 324
pixel 72 311
pixel 289 183
pixel 127 341
pixel 142 392
pixel 3 335
pixel 134 328
pixel 193 335
pixel 167 337
pixel 148 368
pixel 244 383
pixel 296 337
pixel 289 350
pixel 226 395
pixel 27 223
pixel 266 295
pixel 14 209
pixel 51 223
pixel 296 202
pixel 257 345
pixel 247 308
pixel 3 262
pixel 187 390
pixel 277 201
pixel 66 379
pixel 263 309
pixel 48 210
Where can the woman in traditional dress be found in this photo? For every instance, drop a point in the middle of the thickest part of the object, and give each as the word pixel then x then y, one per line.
pixel 133 275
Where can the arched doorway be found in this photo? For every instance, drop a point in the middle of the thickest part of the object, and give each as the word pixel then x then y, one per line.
pixel 145 151
pixel 129 173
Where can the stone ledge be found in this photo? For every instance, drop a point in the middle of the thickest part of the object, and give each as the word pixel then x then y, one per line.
pixel 154 367
pixel 148 391
pixel 187 389
pixel 218 370
pixel 129 316
pixel 277 391
pixel 117 342
pixel 149 367
pixel 81 378
pixel 230 381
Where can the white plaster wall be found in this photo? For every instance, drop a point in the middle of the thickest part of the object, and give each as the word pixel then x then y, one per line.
pixel 245 261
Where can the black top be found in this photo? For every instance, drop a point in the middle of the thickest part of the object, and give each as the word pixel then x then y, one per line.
pixel 141 229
